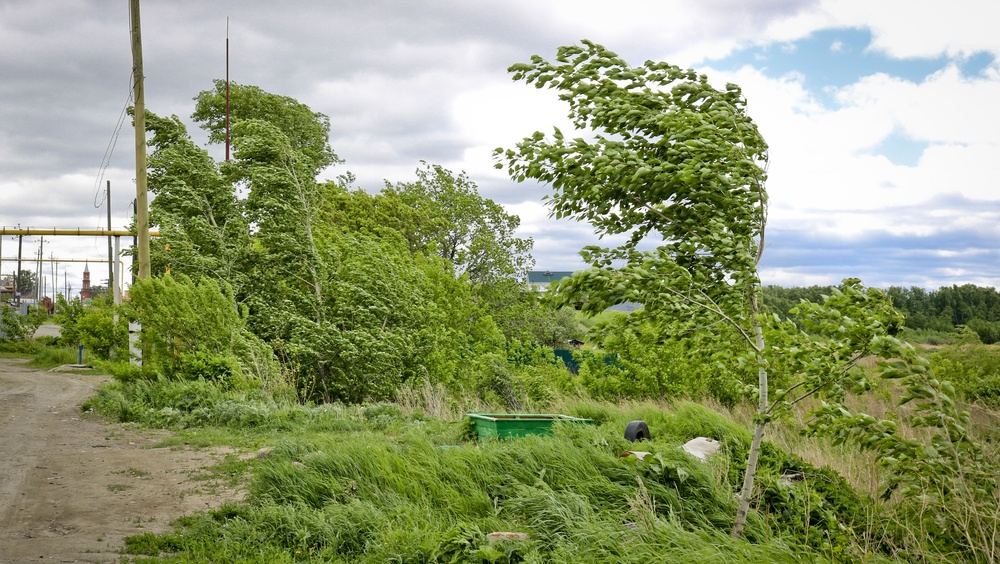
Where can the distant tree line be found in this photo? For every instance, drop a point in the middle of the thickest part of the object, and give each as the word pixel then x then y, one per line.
pixel 944 309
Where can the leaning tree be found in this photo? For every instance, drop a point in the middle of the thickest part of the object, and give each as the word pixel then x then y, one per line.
pixel 676 169
pixel 669 158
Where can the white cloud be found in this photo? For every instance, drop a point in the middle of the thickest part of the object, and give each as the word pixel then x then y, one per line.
pixel 403 82
pixel 923 28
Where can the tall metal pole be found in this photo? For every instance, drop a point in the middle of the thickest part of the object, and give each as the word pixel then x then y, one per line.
pixel 39 283
pixel 111 257
pixel 227 90
pixel 141 202
pixel 17 275
pixel 118 282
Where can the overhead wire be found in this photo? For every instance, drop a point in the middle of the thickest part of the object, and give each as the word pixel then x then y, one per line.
pixel 99 195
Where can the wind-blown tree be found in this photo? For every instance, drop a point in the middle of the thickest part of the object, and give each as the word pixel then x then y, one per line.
pixel 205 231
pixel 307 132
pixel 670 158
pixel 443 214
pixel 477 237
pixel 357 293
pixel 674 162
pixel 475 234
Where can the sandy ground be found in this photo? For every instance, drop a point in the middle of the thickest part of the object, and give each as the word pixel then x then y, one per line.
pixel 72 487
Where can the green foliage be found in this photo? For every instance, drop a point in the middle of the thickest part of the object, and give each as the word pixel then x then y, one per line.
pixel 355 293
pixel 178 404
pixel 15 327
pixel 307 132
pixel 673 160
pixel 396 487
pixel 820 361
pixel 204 231
pixel 96 330
pixel 442 214
pixel 196 330
pixel 473 233
pixel 555 327
pixel 945 487
pixel 12 326
pixel 974 370
pixel 67 314
pixel 634 360
pixel 26 282
pixel 376 329
pixel 947 308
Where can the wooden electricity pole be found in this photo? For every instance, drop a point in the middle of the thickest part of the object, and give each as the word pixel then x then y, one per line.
pixel 141 202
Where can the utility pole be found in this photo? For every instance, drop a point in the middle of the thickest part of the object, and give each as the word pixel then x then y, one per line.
pixel 38 277
pixel 111 257
pixel 227 90
pixel 17 275
pixel 141 203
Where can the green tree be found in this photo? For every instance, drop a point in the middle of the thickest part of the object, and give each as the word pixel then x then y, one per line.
pixel 357 293
pixel 307 132
pixel 204 229
pixel 67 315
pixel 672 158
pixel 442 214
pixel 195 329
pixel 98 332
pixel 669 157
pixel 474 233
pixel 26 282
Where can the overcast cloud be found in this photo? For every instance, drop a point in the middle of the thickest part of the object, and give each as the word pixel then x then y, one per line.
pixel 881 116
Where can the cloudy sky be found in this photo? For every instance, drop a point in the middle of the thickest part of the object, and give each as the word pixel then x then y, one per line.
pixel 882 116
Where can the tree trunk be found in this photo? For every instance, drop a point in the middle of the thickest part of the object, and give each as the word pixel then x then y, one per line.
pixel 758 432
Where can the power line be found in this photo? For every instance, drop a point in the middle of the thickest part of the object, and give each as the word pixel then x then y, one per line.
pixel 99 194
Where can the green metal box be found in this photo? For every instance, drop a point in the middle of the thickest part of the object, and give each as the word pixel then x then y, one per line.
pixel 502 425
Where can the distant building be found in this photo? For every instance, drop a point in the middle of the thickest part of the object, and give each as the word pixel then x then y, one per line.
pixel 540 279
pixel 89 292
pixel 6 288
pixel 85 293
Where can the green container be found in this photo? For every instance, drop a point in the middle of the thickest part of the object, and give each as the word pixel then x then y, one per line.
pixel 503 425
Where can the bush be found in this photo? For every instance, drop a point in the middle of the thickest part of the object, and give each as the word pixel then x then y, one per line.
pixel 988 331
pixel 195 330
pixel 68 313
pixel 974 371
pixel 12 326
pixel 98 333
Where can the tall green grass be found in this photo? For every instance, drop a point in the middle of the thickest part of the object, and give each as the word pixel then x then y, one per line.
pixel 407 488
pixel 405 483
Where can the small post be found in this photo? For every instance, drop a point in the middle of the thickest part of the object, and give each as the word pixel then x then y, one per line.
pixel 79 355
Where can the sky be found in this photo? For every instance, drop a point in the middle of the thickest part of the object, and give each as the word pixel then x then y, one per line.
pixel 881 116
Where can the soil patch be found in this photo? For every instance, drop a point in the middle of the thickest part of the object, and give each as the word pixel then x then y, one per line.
pixel 72 486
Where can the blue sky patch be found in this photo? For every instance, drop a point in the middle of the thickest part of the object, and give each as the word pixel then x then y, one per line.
pixel 834 58
pixel 901 149
pixel 977 63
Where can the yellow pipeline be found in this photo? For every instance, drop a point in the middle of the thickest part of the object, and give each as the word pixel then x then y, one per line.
pixel 72 232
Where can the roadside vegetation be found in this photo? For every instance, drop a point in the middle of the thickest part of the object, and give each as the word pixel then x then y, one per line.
pixel 338 337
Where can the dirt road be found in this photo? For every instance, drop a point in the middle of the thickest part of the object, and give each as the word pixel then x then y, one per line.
pixel 73 487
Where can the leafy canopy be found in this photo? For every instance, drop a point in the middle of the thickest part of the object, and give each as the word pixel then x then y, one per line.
pixel 668 157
